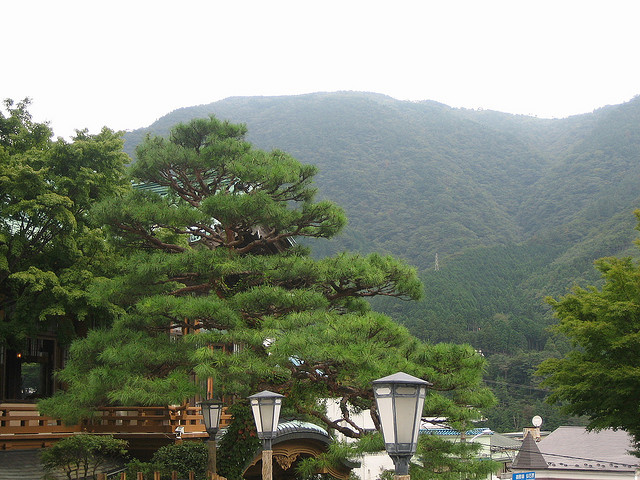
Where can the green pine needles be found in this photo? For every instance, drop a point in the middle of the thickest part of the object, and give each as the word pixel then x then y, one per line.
pixel 215 262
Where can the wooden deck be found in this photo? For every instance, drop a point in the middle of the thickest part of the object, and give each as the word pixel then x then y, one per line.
pixel 22 426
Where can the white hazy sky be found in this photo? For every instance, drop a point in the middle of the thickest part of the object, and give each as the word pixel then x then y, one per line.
pixel 123 64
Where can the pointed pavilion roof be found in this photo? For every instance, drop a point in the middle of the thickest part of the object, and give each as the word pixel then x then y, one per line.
pixel 529 456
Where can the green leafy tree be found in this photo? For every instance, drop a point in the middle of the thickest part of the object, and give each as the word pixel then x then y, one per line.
pixel 211 260
pixel 183 458
pixel 239 444
pixel 49 253
pixel 339 453
pixel 436 457
pixel 82 455
pixel 18 132
pixel 449 459
pixel 600 376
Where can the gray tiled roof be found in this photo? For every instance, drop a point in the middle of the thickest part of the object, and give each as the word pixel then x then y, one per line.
pixel 297 426
pixel 576 448
pixel 502 442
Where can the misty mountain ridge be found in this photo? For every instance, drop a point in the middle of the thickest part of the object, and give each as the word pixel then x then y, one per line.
pixel 512 204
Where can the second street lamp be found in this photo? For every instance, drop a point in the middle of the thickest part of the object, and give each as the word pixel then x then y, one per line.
pixel 211 412
pixel 399 400
pixel 266 413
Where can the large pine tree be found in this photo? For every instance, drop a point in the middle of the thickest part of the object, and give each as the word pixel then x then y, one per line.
pixel 212 260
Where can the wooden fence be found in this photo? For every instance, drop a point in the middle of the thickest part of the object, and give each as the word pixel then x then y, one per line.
pixel 22 426
pixel 156 476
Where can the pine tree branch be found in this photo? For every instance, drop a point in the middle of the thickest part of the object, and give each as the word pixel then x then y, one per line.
pixel 146 236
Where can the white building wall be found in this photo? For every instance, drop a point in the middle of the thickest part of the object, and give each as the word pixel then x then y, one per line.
pixel 372 465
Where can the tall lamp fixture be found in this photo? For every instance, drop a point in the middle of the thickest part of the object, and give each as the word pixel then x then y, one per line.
pixel 266 413
pixel 399 400
pixel 211 411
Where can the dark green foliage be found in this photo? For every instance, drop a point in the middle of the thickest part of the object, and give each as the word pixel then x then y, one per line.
pixel 439 457
pixel 49 252
pixel 520 396
pixel 213 262
pixel 599 376
pixel 82 456
pixel 135 466
pixel 182 458
pixel 538 199
pixel 239 444
pixel 113 359
pixel 175 457
pixel 476 298
pixel 518 207
pixel 340 453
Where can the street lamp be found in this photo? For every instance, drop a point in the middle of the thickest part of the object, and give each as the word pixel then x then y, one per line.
pixel 266 412
pixel 211 412
pixel 399 400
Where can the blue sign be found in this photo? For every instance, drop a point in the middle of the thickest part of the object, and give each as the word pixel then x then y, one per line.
pixel 523 476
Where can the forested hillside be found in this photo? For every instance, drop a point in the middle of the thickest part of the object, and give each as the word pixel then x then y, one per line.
pixel 516 208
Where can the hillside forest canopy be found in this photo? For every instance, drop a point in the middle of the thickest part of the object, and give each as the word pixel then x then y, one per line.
pixel 165 279
pixel 599 377
pixel 208 259
pixel 515 208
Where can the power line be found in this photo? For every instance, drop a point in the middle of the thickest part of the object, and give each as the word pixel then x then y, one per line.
pixel 593 460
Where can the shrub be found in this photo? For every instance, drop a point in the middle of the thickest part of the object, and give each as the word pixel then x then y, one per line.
pixel 182 457
pixel 135 466
pixel 80 454
pixel 239 444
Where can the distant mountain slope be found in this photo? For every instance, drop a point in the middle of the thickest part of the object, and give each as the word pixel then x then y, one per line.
pixel 420 178
pixel 517 208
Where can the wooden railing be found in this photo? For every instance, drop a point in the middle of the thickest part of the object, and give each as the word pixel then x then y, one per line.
pixel 24 418
pixel 21 422
pixel 150 420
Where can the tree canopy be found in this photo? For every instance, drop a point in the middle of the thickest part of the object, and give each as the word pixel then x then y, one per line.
pixel 516 207
pixel 48 251
pixel 82 456
pixel 210 263
pixel 600 377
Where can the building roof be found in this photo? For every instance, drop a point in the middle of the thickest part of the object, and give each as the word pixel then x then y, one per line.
pixel 451 431
pixel 577 448
pixel 296 430
pixel 503 442
pixel 438 426
pixel 529 456
pixel 297 426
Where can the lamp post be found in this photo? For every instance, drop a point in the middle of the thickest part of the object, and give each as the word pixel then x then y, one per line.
pixel 399 400
pixel 266 413
pixel 211 412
